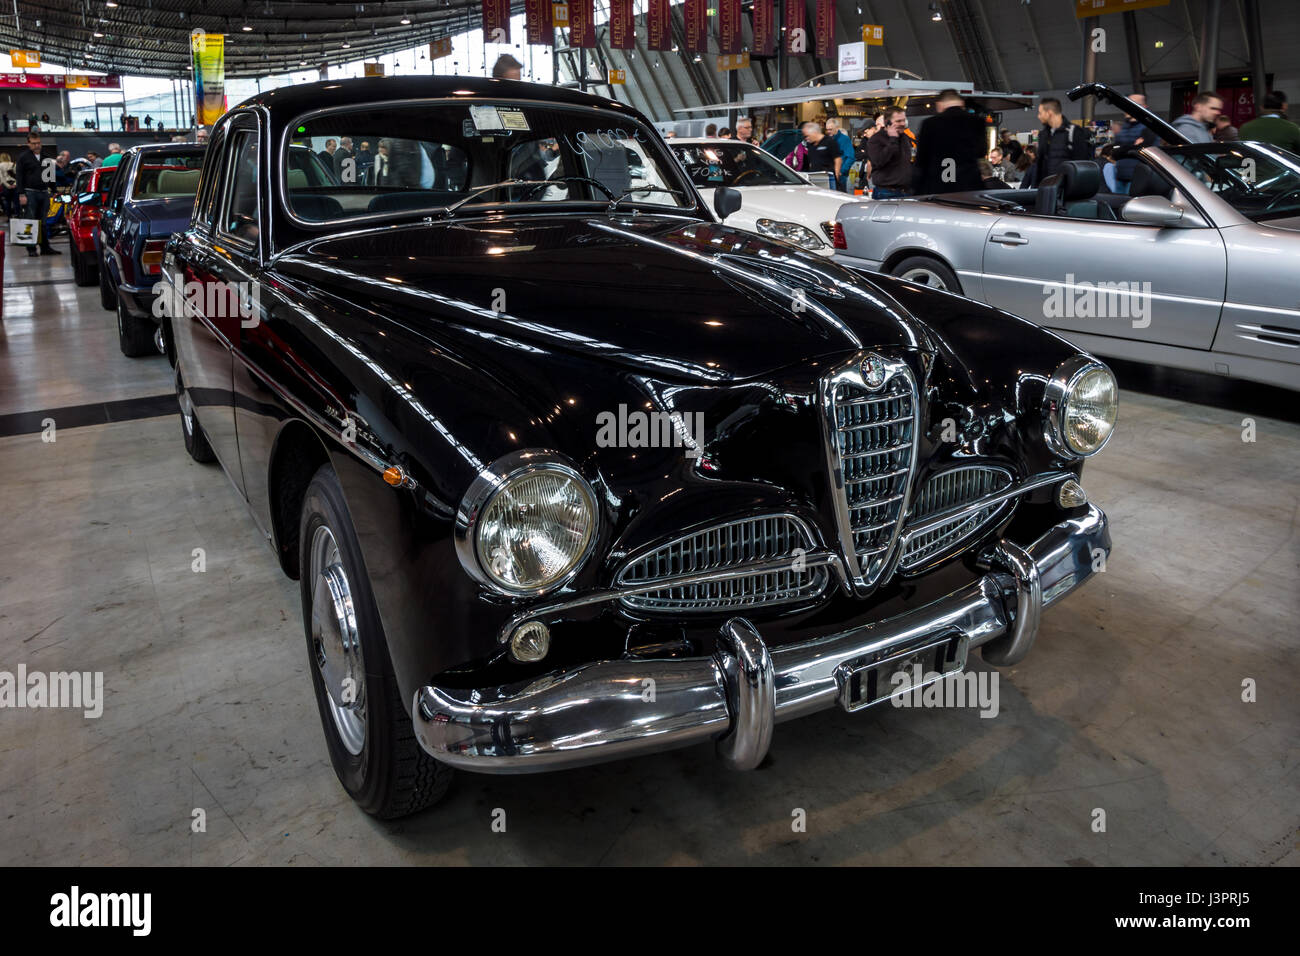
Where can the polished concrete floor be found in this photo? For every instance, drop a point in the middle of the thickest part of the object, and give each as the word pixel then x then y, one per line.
pixel 1131 702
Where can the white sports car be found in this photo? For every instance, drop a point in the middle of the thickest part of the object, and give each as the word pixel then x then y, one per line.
pixel 778 201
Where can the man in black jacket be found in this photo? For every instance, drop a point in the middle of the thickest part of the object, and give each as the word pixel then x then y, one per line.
pixel 948 149
pixel 34 191
pixel 1058 142
pixel 890 152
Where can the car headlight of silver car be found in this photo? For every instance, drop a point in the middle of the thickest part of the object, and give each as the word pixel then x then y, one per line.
pixel 1080 407
pixel 791 232
pixel 526 524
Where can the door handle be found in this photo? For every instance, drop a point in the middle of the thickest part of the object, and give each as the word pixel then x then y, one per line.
pixel 1009 239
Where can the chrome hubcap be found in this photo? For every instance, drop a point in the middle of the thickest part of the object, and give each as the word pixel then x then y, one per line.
pixel 187 408
pixel 924 276
pixel 158 341
pixel 336 646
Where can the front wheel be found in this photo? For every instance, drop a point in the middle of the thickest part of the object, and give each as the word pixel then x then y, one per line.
pixel 367 726
pixel 927 271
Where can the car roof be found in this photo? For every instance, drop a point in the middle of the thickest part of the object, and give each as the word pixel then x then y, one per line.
pixel 696 140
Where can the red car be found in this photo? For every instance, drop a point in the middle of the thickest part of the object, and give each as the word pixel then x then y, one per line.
pixel 88 194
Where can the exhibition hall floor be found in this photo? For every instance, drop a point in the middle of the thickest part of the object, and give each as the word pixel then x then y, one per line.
pixel 1131 703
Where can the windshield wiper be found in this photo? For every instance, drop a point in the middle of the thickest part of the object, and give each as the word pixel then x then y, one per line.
pixel 475 193
pixel 640 189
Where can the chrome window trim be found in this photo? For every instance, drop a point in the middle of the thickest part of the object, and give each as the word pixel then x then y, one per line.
pixel 751 569
pixel 485 487
pixel 1059 387
pixel 850 373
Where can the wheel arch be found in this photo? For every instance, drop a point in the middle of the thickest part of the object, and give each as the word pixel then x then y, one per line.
pixel 898 255
pixel 297 454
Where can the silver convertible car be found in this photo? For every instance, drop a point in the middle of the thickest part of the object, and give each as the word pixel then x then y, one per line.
pixel 1197 267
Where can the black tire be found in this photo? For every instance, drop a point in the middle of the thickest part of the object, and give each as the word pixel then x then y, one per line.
pixel 927 270
pixel 84 268
pixel 383 768
pixel 107 294
pixel 135 336
pixel 196 443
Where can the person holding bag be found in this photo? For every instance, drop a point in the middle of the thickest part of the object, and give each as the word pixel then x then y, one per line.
pixel 34 193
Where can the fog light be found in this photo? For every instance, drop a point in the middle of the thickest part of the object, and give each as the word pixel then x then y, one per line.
pixel 1071 495
pixel 530 642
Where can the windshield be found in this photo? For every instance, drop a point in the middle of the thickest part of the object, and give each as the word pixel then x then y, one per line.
pixel 711 165
pixel 167 175
pixel 426 157
pixel 1259 183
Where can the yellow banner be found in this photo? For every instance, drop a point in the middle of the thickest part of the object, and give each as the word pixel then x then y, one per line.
pixel 75 81
pixel 372 69
pixel 208 51
pixel 1095 8
pixel 873 34
pixel 439 48
pixel 617 77
pixel 560 14
pixel 25 58
pixel 732 61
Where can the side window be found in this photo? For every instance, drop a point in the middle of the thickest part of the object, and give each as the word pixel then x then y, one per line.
pixel 239 218
pixel 115 186
pixel 208 183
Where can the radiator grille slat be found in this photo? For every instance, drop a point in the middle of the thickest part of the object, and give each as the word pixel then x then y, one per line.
pixel 943 492
pixel 730 545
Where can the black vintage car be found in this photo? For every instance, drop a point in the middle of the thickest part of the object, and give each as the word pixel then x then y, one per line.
pixel 569 470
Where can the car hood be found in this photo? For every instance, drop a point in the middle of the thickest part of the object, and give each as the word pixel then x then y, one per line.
pixel 802 204
pixel 692 299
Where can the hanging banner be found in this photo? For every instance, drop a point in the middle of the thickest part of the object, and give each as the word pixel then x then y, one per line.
pixel 732 61
pixel 696 16
pixel 582 23
pixel 372 69
pixel 59 81
pixel 537 22
pixel 25 58
pixel 439 48
pixel 496 21
pixel 559 14
pixel 764 27
pixel 659 32
pixel 622 25
pixel 730 36
pixel 825 27
pixel 796 26
pixel 208 51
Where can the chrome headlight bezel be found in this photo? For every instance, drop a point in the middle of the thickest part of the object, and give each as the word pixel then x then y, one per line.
pixel 777 229
pixel 1056 398
pixel 485 488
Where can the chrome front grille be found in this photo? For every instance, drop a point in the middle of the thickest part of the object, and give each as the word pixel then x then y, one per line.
pixel 724 546
pixel 947 491
pixel 872 456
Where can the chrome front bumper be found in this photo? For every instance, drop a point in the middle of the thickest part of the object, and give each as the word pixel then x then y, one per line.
pixel 611 709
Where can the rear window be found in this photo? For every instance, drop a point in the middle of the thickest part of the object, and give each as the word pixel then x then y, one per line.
pixel 167 176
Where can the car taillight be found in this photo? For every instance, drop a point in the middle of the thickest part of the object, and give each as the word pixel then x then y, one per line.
pixel 152 256
pixel 838 240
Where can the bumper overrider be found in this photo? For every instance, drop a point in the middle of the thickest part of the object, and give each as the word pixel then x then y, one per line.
pixel 612 709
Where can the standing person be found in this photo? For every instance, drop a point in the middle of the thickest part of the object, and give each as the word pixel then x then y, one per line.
pixel 823 152
pixel 1011 147
pixel 948 148
pixel 1059 141
pixel 507 68
pixel 61 175
pixel 8 184
pixel 1197 122
pixel 1131 133
pixel 34 193
pixel 122 122
pixel 364 157
pixel 148 122
pixel 890 153
pixel 381 164
pixel 1224 131
pixel 1273 127
pixel 94 159
pixel 114 155
pixel 1003 168
pixel 327 154
pixel 711 130
pixel 342 155
pixel 724 133
pixel 745 129
pixel 845 143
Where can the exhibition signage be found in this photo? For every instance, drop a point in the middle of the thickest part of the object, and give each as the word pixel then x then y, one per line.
pixel 764 27
pixel 560 14
pixel 730 36
pixel 58 81
pixel 25 58
pixel 825 27
pixel 208 51
pixel 582 23
pixel 659 33
pixel 496 21
pixel 439 48
pixel 617 77
pixel 732 61
pixel 696 17
pixel 873 34
pixel 622 25
pixel 372 69
pixel 1094 8
pixel 853 62
pixel 537 22
pixel 796 27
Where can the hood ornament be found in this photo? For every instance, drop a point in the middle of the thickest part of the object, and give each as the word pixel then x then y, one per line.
pixel 873 370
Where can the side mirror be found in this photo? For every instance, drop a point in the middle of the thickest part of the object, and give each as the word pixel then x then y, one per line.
pixel 88 199
pixel 726 201
pixel 1152 211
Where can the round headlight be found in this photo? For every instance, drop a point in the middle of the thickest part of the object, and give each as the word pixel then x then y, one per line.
pixel 527 527
pixel 1082 404
pixel 791 232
